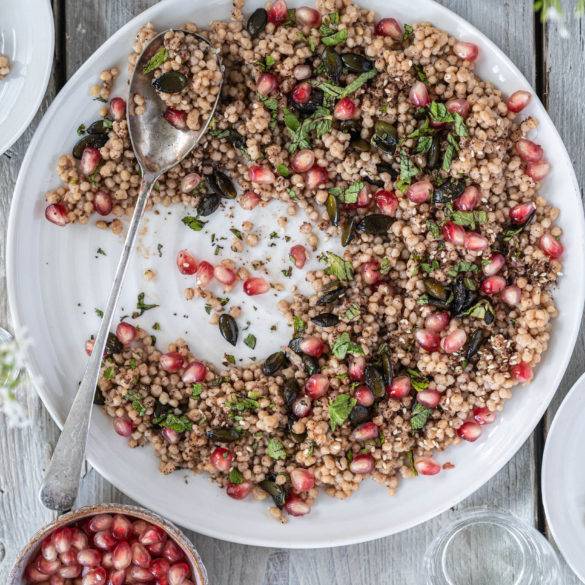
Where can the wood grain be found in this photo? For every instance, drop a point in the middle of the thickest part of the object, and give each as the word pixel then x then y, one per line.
pixel 84 26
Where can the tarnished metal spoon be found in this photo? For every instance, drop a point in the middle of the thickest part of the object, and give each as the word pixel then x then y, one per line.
pixel 158 146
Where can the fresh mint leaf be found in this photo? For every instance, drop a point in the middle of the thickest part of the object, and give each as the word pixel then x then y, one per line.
pixel 420 416
pixel 196 390
pixel 417 380
pixel 339 410
pixel 142 306
pixel 275 450
pixel 180 424
pixel 194 223
pixel 235 476
pixel 343 345
pixel 338 267
pixel 156 60
pixel 250 341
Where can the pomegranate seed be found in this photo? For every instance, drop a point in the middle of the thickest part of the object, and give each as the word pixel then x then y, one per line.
pixel 171 361
pixel 518 101
pixel 224 275
pixel 118 108
pixel 195 372
pixel 345 109
pixel 125 332
pixel 364 197
pixel 298 255
pixel 48 549
pixel 140 556
pixel 315 177
pixel 428 340
pixel 176 118
pixel 301 72
pixel 317 386
pixel 389 27
pixel 522 212
pixel 78 539
pixel 550 246
pixel 438 321
pixel 47 567
pixel 260 174
pixel 357 367
pixel 529 151
pixel 117 577
pixel 365 432
pixel 122 556
pixel 362 464
pixel 221 459
pixel 190 182
pixel 313 346
pixel 419 95
pixel 426 466
pixel 140 575
pixel 56 580
pixel 90 160
pixel 70 571
pixel 156 549
pixel 511 295
pixel 186 262
pixel 475 242
pixel 296 506
pixel 302 480
pixel 172 552
pixel 469 431
pixel 89 557
pixel 492 285
pixel 469 199
pixel 171 436
pixel 364 396
pixel 301 407
pixel 68 558
pixel 453 233
pixel 123 426
pixel 57 213
pixel 306 16
pixel 371 272
pixel 494 265
pixel 249 200
pixel 459 106
pixel 266 84
pixel 139 527
pixel 96 576
pixel 302 160
pixel 256 286
pixel 522 372
pixel 89 346
pixel 160 567
pixel 62 539
pixel 466 51
pixel 239 491
pixel 277 14
pixel 386 201
pixel 204 274
pixel 453 342
pixel 483 415
pixel 399 388
pixel 537 171
pixel 420 191
pixel 152 535
pixel 429 398
pixel 104 540
pixel 103 203
pixel 35 576
pixel 301 93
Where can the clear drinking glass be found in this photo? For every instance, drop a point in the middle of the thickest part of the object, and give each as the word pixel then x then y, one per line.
pixel 7 378
pixel 490 547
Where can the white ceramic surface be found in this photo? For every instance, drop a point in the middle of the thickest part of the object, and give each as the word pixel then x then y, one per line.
pixel 51 270
pixel 563 478
pixel 27 37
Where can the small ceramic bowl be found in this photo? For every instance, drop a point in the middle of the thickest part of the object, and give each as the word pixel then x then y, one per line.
pixel 16 576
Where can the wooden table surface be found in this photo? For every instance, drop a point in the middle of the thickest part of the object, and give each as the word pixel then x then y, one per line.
pixel 555 66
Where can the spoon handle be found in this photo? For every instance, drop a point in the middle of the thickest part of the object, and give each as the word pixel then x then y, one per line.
pixel 61 483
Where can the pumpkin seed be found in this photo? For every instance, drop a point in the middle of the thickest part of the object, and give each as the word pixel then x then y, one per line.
pixel 274 363
pixel 257 22
pixel 375 224
pixel 384 167
pixel 359 415
pixel 221 184
pixel 360 145
pixel 463 298
pixel 434 154
pixel 348 230
pixel 309 108
pixel 387 368
pixel 290 392
pixel 295 344
pixel 224 434
pixel 375 381
pixel 113 345
pixel 228 328
pixel 208 204
pixel 310 364
pixel 436 289
pixel 332 63
pixel 325 320
pixel 332 296
pixel 279 493
pixel 171 82
pixel 385 137
pixel 332 209
pixel 91 140
pixel 448 191
pixel 98 397
pixel 100 127
pixel 356 63
pixel 474 344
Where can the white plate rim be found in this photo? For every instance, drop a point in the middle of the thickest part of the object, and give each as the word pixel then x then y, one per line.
pixel 472 486
pixel 556 432
pixel 44 81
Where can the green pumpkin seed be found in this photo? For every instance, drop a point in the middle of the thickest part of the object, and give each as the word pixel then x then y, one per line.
pixel 375 224
pixel 274 363
pixel 290 392
pixel 348 230
pixel 325 320
pixel 436 289
pixel 463 298
pixel 375 381
pixel 224 435
pixel 228 328
pixel 332 63
pixel 332 209
pixel 279 493
pixel 474 344
pixel 221 184
pixel 208 204
pixel 100 127
pixel 98 397
pixel 356 63
pixel 257 22
pixel 332 296
pixel 310 364
pixel 359 415
pixel 91 140
pixel 448 191
pixel 113 345
pixel 360 145
pixel 387 368
pixel 295 344
pixel 171 82
pixel 434 154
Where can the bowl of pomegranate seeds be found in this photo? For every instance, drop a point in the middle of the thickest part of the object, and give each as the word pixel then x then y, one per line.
pixel 109 544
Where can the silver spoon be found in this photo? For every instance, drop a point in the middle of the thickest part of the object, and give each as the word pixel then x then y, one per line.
pixel 158 146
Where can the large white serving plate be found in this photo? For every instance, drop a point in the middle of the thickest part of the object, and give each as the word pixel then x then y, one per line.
pixel 27 37
pixel 51 270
